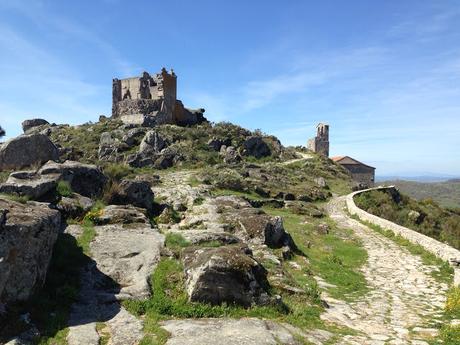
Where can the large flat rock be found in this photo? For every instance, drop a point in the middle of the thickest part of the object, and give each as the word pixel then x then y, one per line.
pixel 127 254
pixel 228 332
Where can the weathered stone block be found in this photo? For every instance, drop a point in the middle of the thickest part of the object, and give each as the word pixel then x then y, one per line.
pixel 27 235
pixel 26 150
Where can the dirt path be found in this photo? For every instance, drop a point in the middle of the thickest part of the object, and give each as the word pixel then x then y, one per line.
pixel 404 299
pixel 303 157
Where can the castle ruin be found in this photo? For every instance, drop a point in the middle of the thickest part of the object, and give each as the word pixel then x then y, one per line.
pixel 151 100
pixel 320 143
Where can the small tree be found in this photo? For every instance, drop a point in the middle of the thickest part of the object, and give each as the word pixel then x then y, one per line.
pixel 2 132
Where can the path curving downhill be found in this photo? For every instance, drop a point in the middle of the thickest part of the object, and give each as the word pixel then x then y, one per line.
pixel 404 300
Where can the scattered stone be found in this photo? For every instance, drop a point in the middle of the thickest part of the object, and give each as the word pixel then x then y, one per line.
pixel 426 332
pixel 225 274
pixel 152 143
pixel 230 154
pixel 257 147
pixel 197 237
pixel 215 143
pixel 415 217
pixel 289 197
pixel 121 214
pixel 27 235
pixel 133 136
pixel 31 184
pixel 27 150
pixel 108 148
pixel 266 202
pixel 75 207
pixel 85 179
pixel 136 193
pixel 304 208
pixel 322 229
pixel 253 225
pixel 28 124
pixel 262 192
pixel 321 182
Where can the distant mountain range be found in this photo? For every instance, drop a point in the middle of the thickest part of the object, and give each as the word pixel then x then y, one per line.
pixel 418 178
pixel 446 193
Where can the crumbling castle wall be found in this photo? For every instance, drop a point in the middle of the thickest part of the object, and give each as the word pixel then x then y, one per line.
pixel 151 100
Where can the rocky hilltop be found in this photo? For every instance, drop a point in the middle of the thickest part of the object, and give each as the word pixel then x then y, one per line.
pixel 139 233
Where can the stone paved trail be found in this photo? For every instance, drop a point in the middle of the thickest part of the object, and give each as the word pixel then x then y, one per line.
pixel 403 298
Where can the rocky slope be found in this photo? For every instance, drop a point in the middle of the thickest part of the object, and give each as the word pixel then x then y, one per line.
pixel 190 235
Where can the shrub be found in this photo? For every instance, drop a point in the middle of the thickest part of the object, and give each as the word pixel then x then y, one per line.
pixel 116 172
pixel 64 189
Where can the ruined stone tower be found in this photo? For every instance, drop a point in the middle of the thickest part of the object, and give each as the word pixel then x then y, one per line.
pixel 320 143
pixel 147 95
pixel 151 100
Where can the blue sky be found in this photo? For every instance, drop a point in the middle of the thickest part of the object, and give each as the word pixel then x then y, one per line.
pixel 384 74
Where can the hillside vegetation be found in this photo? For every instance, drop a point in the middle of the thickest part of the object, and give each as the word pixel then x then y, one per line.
pixel 447 193
pixel 424 216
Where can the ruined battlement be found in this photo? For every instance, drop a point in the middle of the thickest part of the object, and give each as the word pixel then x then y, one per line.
pixel 151 99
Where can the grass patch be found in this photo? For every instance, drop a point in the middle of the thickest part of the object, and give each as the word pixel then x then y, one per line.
pixel 198 201
pixel 229 192
pixel 176 242
pixel 23 199
pixel 89 233
pixel 336 257
pixel 444 273
pixel 449 334
pixel 104 338
pixel 453 303
pixel 168 216
pixel 64 189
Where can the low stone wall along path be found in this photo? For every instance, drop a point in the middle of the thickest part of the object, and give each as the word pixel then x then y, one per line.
pixel 404 301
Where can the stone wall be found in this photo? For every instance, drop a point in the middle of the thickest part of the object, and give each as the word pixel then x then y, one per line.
pixel 361 174
pixel 441 250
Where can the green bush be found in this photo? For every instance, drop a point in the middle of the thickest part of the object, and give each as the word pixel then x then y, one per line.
pixel 116 172
pixel 64 189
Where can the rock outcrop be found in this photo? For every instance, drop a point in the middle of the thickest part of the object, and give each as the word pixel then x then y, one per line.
pixel 120 214
pixel 28 124
pixel 31 184
pixel 232 332
pixel 75 206
pixel 85 179
pixel 137 193
pixel 225 274
pixel 257 147
pixel 26 150
pixel 128 255
pixel 154 151
pixel 27 235
pixel 253 225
